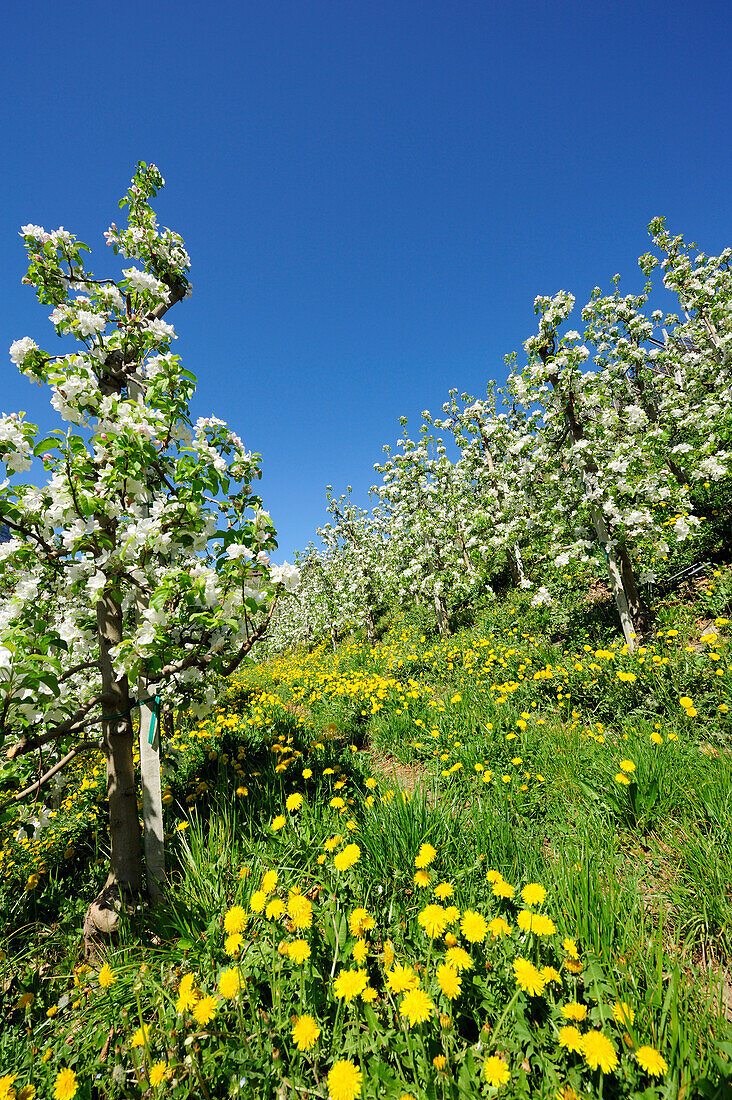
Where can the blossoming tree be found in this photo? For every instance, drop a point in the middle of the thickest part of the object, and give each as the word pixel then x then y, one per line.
pixel 141 570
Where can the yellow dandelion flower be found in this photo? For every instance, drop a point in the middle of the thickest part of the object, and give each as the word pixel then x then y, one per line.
pixel 425 856
pixel 66 1086
pixel 444 890
pixel 474 926
pixel 503 889
pixel 350 984
pixel 158 1073
pixel 417 1006
pixel 275 909
pixel 294 802
pixel 299 951
pixel 346 859
pixel 235 919
pixel 499 927
pixel 623 1014
pixel 574 1011
pixel 422 879
pixel 205 1010
pixel 533 894
pixel 651 1061
pixel 433 919
pixel 599 1052
pixel 360 921
pixel 300 911
pixel 141 1036
pixel 495 1071
pixel 279 822
pixel 229 983
pixel 570 1038
pixel 458 958
pixel 106 977
pixel 449 981
pixel 528 977
pixel 233 943
pixel 360 951
pixel 305 1032
pixel 269 882
pixel 401 979
pixel 344 1081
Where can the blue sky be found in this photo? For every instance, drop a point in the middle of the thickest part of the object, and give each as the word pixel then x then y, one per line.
pixel 372 192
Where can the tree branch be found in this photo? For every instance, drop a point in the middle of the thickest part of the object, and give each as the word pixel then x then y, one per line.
pixel 83 746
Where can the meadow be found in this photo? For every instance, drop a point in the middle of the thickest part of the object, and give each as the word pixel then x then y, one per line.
pixel 490 864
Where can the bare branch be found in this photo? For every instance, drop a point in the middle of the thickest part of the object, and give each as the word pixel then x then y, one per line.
pixel 83 746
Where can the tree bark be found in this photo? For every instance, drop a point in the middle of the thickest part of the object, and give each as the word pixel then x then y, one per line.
pixel 124 880
pixel 441 614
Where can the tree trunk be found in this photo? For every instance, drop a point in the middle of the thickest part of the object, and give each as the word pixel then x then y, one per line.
pixel 515 564
pixel 124 880
pixel 370 628
pixel 616 579
pixel 441 614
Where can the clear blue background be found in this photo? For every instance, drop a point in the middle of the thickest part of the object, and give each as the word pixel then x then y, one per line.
pixel 372 192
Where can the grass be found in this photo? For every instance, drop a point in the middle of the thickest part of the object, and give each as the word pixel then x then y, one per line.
pixel 531 761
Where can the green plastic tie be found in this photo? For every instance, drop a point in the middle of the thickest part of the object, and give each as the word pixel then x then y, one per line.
pixel 153 719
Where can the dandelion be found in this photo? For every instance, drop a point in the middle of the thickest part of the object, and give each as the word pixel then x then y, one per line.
pixel 158 1073
pixel 495 1071
pixel 360 921
pixel 444 890
pixel 627 765
pixel 439 1062
pixel 400 979
pixel 474 926
pixel 299 951
pixel 350 984
pixel 574 1011
pixel 433 920
pixel 528 977
pixel 275 909
pixel 106 977
pixel 294 802
pixel 533 894
pixel 499 927
pixel 459 959
pixel 300 910
pixel 235 919
pixel 229 983
pixel 623 1013
pixel 269 882
pixel 449 981
pixel 346 859
pixel 425 856
pixel 257 902
pixel 7 1092
pixel 422 879
pixel 305 1032
pixel 65 1086
pixel 651 1061
pixel 279 822
pixel 503 889
pixel 344 1081
pixel 141 1036
pixel 570 1038
pixel 494 876
pixel 417 1006
pixel 599 1052
pixel 622 778
pixel 360 951
pixel 233 943
pixel 205 1010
